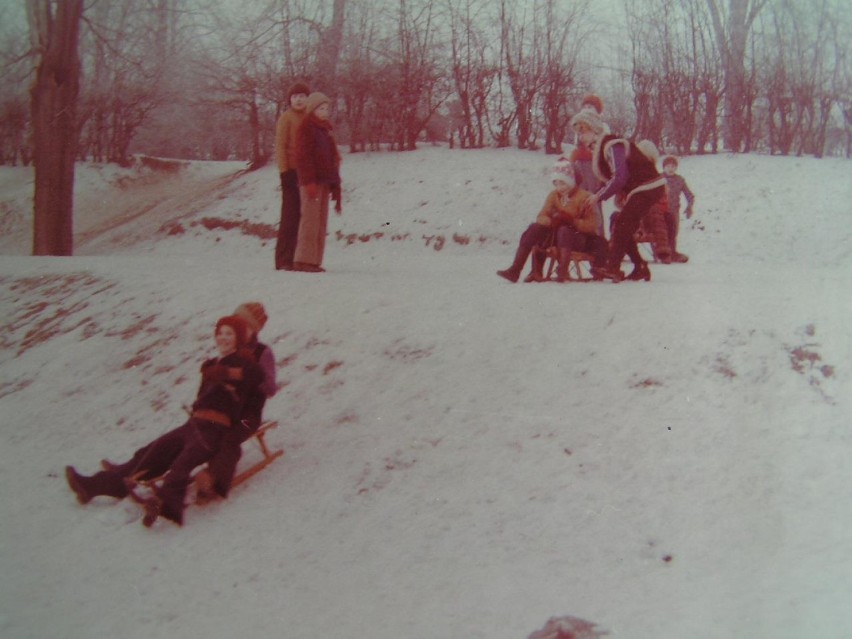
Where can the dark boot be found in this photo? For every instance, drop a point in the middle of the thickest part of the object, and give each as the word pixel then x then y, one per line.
pixel 537 268
pixel 162 504
pixel 564 263
pixel 102 483
pixel 513 273
pixel 607 273
pixel 640 272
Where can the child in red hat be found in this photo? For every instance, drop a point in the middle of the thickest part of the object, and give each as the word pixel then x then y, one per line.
pixel 226 381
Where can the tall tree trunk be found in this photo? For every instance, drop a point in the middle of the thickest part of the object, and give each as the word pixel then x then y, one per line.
pixel 732 34
pixel 54 119
pixel 329 48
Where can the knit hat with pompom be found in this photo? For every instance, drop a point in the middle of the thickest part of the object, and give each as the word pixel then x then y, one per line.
pixel 253 314
pixel 592 102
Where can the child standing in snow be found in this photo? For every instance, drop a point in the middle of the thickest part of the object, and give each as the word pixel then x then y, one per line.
pixel 318 167
pixel 581 157
pixel 627 172
pixel 285 136
pixel 564 219
pixel 675 186
pixel 227 381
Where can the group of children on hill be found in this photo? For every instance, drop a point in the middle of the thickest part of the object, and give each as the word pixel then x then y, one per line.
pixel 604 166
pixel 235 385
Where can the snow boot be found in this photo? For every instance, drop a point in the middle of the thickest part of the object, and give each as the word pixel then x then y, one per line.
pixel 102 483
pixel 537 268
pixel 513 273
pixel 640 272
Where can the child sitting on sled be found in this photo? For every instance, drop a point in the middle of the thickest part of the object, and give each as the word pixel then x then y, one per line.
pixel 565 221
pixel 227 381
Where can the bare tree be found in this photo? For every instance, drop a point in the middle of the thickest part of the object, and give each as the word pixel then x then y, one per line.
pixel 473 75
pixel 564 36
pixel 523 66
pixel 733 28
pixel 331 38
pixel 124 79
pixel 54 33
pixel 15 71
pixel 419 85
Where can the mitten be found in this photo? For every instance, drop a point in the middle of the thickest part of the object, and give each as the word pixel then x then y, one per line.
pixel 337 196
pixel 688 212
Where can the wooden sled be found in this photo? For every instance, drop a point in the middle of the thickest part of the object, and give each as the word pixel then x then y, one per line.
pixel 575 268
pixel 134 483
pixel 269 456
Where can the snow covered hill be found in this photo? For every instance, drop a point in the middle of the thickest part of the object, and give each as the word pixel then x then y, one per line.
pixel 466 458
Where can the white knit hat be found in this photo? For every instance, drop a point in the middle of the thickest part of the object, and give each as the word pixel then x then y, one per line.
pixel 563 170
pixel 590 119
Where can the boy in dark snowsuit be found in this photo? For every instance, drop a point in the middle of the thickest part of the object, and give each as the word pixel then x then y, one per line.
pixel 226 382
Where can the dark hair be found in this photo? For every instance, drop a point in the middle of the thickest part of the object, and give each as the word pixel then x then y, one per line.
pixel 296 88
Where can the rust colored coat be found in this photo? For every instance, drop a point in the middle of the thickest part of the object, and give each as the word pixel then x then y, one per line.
pixel 285 136
pixel 557 211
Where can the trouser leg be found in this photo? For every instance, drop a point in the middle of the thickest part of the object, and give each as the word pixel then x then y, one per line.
pixel 625 227
pixel 203 441
pixel 313 226
pixel 534 235
pixel 566 241
pixel 288 228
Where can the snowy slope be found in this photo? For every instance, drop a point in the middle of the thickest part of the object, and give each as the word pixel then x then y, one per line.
pixel 465 457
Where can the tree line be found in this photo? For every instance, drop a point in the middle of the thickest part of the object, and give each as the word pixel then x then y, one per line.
pixel 207 79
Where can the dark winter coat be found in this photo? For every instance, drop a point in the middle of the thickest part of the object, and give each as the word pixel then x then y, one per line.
pixel 223 464
pixel 317 157
pixel 228 397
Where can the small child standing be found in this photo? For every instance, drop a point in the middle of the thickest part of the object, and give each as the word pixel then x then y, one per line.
pixel 675 186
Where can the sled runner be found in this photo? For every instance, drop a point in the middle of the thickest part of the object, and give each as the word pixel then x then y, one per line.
pixel 269 456
pixel 134 483
pixel 575 264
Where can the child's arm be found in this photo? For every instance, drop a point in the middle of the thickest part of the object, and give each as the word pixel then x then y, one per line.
pixel 690 198
pixel 618 160
pixel 546 213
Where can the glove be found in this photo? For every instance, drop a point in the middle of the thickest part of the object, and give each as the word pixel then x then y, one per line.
pixel 312 190
pixel 688 212
pixel 215 373
pixel 337 196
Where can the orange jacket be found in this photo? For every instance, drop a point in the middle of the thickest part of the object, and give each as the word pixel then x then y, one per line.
pixel 558 210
